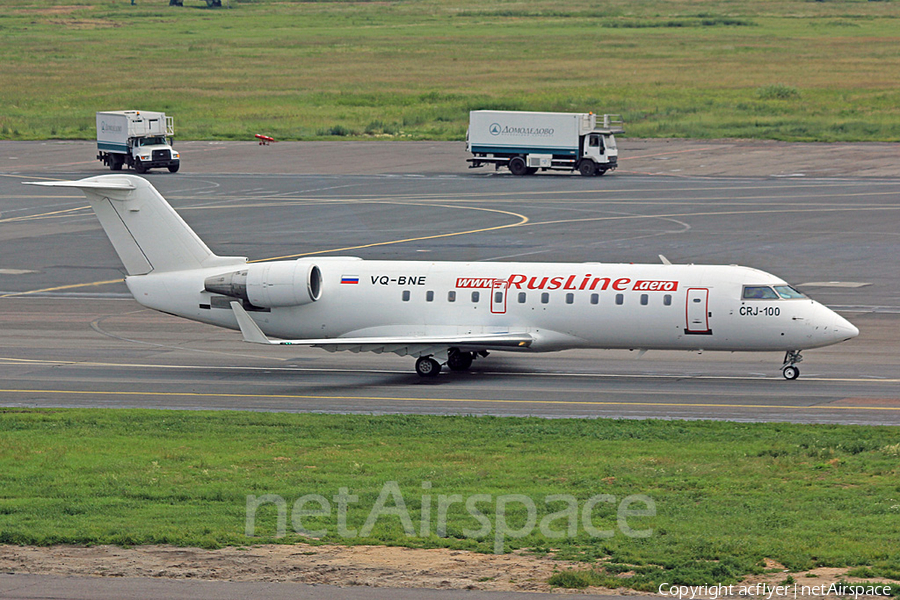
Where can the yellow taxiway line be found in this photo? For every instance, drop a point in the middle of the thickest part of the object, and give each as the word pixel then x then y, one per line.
pixel 436 400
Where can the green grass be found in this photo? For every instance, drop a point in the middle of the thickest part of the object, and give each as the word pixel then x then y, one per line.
pixel 780 69
pixel 727 495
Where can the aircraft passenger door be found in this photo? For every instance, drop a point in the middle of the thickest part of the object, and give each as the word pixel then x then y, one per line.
pixel 697 312
pixel 498 296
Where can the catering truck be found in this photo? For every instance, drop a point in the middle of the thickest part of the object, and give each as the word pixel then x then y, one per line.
pixel 140 139
pixel 527 141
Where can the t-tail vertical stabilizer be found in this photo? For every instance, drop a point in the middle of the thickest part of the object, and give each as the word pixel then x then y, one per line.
pixel 144 229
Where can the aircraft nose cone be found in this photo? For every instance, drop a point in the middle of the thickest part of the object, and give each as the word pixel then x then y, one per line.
pixel 844 329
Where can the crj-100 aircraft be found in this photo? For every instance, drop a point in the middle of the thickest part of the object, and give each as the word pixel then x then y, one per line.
pixel 450 313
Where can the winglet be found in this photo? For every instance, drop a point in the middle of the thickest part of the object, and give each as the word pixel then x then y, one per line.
pixel 664 260
pixel 251 331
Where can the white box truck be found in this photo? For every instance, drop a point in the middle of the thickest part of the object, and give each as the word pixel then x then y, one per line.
pixel 527 141
pixel 140 139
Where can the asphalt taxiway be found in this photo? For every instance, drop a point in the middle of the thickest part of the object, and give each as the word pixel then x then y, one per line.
pixel 73 337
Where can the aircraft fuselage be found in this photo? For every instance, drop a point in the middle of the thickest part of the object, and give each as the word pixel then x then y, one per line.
pixel 563 305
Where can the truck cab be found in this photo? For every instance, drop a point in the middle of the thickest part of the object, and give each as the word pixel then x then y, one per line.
pixel 599 154
pixel 153 152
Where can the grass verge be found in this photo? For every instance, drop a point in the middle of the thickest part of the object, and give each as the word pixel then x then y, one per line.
pixel 788 69
pixel 726 495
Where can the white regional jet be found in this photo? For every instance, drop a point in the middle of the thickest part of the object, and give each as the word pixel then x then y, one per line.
pixel 451 312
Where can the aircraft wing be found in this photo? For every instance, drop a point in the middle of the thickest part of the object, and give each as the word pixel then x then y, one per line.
pixel 400 345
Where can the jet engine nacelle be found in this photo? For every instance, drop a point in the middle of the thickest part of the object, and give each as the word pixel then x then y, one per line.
pixel 270 285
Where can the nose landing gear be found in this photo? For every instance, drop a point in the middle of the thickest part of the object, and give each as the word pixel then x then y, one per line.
pixel 788 370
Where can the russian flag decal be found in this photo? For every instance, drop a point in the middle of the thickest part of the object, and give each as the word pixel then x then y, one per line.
pixel 351 279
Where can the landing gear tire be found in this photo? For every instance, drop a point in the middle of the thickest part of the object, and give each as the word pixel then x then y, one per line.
pixel 139 167
pixel 587 168
pixel 517 166
pixel 789 368
pixel 427 367
pixel 460 361
pixel 790 373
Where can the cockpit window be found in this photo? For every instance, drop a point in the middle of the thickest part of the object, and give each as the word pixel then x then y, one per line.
pixel 759 292
pixel 788 293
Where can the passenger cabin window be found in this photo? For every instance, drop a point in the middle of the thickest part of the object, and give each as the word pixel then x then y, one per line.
pixel 645 299
pixel 451 296
pixel 620 299
pixel 788 293
pixel 595 298
pixel 498 297
pixel 667 299
pixel 429 296
pixel 570 298
pixel 521 297
pixel 759 292
pixel 476 296
pixel 545 298
pixel 406 295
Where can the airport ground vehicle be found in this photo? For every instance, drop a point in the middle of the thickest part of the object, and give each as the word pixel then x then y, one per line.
pixel 140 139
pixel 525 142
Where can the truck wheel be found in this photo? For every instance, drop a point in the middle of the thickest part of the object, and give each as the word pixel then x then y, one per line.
pixel 139 167
pixel 115 163
pixel 587 168
pixel 174 168
pixel 517 166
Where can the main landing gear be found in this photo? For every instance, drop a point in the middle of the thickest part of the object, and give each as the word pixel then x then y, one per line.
pixel 457 360
pixel 427 367
pixel 791 358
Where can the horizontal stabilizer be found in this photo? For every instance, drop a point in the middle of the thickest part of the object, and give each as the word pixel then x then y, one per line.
pixel 401 345
pixel 110 182
pixel 147 233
